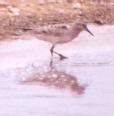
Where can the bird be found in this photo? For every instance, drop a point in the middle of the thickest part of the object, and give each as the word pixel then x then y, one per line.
pixel 59 35
pixel 63 35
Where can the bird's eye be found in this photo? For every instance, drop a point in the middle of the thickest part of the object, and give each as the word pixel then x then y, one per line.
pixel 84 25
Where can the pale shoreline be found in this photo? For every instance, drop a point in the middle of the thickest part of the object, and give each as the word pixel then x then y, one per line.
pixel 90 61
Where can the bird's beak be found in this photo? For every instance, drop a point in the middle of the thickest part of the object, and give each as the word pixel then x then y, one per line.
pixel 89 31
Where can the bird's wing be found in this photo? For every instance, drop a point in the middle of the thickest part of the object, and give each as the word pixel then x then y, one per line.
pixel 52 31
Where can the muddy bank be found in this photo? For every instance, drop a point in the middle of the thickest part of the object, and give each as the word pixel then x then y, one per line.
pixel 31 15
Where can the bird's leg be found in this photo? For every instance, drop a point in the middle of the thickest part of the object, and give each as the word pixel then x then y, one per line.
pixel 62 57
pixel 51 50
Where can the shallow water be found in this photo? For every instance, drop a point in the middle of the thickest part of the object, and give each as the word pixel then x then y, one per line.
pixel 29 100
pixel 90 64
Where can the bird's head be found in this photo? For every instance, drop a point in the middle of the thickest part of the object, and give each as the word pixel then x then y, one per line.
pixel 78 27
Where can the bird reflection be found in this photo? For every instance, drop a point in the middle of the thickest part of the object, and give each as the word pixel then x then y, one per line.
pixel 56 79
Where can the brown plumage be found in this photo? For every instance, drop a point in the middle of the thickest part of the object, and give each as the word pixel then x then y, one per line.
pixel 62 35
pixel 58 35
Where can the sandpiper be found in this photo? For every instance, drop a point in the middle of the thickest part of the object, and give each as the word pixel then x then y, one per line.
pixel 58 36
